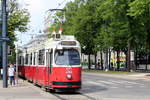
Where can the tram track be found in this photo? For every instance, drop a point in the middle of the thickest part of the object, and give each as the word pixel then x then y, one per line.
pixel 88 97
pixel 59 96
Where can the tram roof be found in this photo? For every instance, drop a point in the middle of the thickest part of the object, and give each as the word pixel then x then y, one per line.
pixel 42 41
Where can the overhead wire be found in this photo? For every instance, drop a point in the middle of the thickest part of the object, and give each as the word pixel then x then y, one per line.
pixel 59 4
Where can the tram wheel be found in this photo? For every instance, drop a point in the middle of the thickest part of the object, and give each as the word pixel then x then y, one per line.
pixel 34 83
pixel 52 90
pixel 43 88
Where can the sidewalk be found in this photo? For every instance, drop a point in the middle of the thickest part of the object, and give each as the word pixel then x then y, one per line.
pixel 24 91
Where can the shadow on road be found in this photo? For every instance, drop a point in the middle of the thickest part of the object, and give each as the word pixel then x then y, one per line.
pixel 85 89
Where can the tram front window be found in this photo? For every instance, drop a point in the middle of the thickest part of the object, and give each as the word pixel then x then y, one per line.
pixel 67 57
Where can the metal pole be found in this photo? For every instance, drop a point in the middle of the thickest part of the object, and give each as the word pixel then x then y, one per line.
pixel 16 63
pixel 4 44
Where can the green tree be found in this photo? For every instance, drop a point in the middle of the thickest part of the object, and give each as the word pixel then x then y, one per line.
pixel 18 19
pixel 103 24
pixel 140 10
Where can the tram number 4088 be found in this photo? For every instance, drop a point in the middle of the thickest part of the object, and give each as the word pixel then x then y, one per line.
pixel 68 70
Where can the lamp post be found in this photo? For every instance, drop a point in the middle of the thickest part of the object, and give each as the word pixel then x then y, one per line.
pixel 4 44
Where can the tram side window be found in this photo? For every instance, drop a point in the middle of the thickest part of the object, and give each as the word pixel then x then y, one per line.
pixel 19 60
pixel 41 57
pixel 22 63
pixel 34 55
pixel 26 58
pixel 49 58
pixel 31 59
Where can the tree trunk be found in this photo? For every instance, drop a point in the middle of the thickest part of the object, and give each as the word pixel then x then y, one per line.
pixel 95 60
pixel 101 53
pixel 109 59
pixel 106 60
pixel 89 62
pixel 128 57
pixel 126 60
pixel 118 60
pixel 136 59
pixel 146 61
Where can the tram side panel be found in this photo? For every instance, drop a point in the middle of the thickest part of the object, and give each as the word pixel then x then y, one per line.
pixel 41 75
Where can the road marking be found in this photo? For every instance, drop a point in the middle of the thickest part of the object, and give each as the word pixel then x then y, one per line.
pixel 114 87
pixel 128 86
pixel 133 83
pixel 118 82
pixel 95 83
pixel 107 82
pixel 142 86
pixel 126 82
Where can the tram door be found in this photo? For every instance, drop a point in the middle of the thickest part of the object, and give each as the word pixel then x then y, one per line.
pixel 49 66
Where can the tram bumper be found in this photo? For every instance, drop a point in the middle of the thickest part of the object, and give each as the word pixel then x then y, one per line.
pixel 57 84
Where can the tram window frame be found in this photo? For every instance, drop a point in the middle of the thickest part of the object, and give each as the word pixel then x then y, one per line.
pixel 19 60
pixel 22 60
pixel 31 59
pixel 49 58
pixel 34 58
pixel 26 59
pixel 41 57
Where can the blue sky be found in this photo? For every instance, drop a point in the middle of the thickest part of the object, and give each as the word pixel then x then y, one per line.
pixel 37 9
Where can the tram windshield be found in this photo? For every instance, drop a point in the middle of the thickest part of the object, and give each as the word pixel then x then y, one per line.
pixel 67 57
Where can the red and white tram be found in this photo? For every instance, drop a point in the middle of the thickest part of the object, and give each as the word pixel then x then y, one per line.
pixel 52 63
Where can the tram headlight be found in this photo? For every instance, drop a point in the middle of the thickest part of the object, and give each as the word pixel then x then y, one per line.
pixel 69 76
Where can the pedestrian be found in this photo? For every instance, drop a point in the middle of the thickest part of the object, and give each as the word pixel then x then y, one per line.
pixel 11 74
pixel 98 64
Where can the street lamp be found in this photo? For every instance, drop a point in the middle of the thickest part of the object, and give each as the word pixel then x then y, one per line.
pixel 4 43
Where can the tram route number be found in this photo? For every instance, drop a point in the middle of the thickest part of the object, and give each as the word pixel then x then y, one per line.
pixel 68 70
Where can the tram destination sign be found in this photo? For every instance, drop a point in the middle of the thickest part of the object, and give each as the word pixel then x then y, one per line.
pixel 70 43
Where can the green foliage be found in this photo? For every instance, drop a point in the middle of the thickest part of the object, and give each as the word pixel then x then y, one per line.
pixel 17 20
pixel 104 24
pixel 12 58
pixel 138 7
pixel 140 10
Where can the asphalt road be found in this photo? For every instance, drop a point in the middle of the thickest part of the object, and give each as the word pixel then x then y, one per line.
pixel 94 87
pixel 101 87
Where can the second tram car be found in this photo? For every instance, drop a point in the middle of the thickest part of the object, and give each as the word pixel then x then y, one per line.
pixel 52 63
